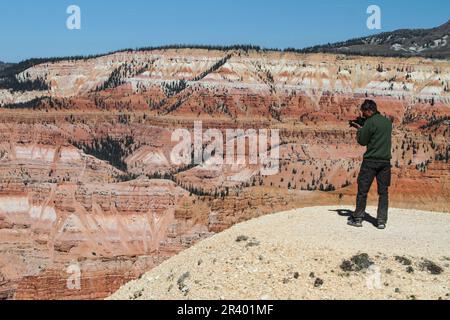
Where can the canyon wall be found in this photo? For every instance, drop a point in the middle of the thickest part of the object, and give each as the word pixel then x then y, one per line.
pixel 88 186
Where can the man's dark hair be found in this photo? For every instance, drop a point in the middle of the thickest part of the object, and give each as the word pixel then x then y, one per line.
pixel 369 105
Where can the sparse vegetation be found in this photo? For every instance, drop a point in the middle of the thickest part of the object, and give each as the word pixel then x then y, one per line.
pixel 108 149
pixel 357 263
pixel 431 267
pixel 403 260
pixel 175 87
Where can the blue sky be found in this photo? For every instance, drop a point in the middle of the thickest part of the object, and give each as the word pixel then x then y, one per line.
pixel 37 28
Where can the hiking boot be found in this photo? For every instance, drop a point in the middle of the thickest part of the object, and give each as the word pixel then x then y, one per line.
pixel 354 222
pixel 381 225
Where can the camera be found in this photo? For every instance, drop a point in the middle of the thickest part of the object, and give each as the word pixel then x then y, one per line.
pixel 358 121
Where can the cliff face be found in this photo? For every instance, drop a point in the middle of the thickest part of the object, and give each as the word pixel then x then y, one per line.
pixel 111 232
pixel 272 73
pixel 87 182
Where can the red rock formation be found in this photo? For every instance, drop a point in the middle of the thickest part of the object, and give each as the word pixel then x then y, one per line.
pixel 78 187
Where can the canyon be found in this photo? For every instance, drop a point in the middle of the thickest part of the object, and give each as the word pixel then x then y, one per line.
pixel 87 181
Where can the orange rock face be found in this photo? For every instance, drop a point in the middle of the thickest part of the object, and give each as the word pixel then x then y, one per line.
pixel 89 196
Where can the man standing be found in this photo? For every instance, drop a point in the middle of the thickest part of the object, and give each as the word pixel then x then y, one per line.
pixel 376 135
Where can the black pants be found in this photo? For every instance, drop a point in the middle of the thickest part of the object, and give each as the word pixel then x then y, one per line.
pixel 369 171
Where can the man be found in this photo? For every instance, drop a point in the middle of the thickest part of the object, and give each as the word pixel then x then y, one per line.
pixel 376 135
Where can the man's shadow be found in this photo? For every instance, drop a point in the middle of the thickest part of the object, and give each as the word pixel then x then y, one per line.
pixel 348 213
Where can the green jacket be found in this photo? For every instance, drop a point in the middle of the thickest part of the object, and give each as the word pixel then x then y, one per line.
pixel 376 135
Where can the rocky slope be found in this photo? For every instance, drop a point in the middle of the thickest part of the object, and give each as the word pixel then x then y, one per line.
pixel 309 254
